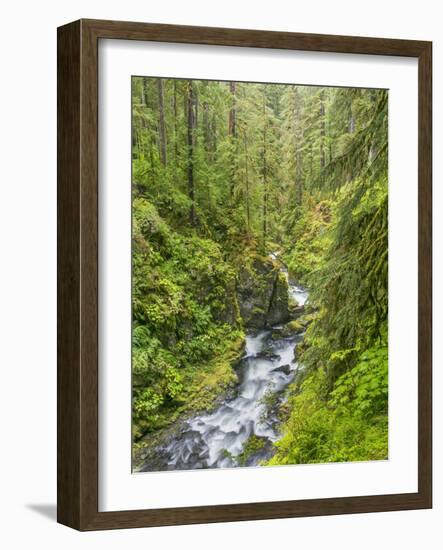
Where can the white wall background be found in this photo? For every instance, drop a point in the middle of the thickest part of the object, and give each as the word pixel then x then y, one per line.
pixel 28 272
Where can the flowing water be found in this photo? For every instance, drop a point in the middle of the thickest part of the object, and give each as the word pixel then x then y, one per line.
pixel 214 440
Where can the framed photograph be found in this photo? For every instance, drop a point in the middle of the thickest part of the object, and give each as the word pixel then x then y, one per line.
pixel 244 274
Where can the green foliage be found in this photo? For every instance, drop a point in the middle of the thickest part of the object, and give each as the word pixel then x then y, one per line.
pixel 307 238
pixel 363 390
pixel 347 424
pixel 184 315
pixel 339 411
pixel 350 285
pixel 223 174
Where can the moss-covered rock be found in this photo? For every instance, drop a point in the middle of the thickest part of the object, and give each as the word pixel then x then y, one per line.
pixel 289 329
pixel 285 369
pixel 278 307
pixel 293 327
pixel 262 292
pixel 253 446
pixel 306 319
pixel 255 287
pixel 295 310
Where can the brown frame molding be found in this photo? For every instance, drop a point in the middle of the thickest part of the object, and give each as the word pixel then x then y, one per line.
pixel 77 320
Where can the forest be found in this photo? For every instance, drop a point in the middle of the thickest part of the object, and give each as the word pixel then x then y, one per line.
pixel 260 274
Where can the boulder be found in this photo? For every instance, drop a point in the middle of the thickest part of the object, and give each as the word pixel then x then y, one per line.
pixel 307 319
pixel 227 309
pixel 286 369
pixel 295 310
pixel 269 354
pixel 255 287
pixel 292 328
pixel 262 292
pixel 278 306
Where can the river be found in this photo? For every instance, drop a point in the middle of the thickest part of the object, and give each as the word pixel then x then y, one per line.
pixel 217 439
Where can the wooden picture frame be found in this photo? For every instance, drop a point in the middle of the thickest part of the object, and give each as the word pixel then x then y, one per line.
pixel 78 274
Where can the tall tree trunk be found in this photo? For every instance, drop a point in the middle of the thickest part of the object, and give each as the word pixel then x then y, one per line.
pixel 351 127
pixel 311 161
pixel 207 148
pixel 232 126
pixel 161 122
pixel 174 104
pixel 351 130
pixel 298 155
pixel 214 136
pixel 322 131
pixel 206 128
pixel 146 91
pixel 149 144
pixel 264 174
pixel 298 176
pixel 232 131
pixel 191 131
pixel 196 113
pixel 248 207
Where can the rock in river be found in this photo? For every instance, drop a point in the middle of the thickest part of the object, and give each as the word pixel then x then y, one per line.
pixel 262 292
